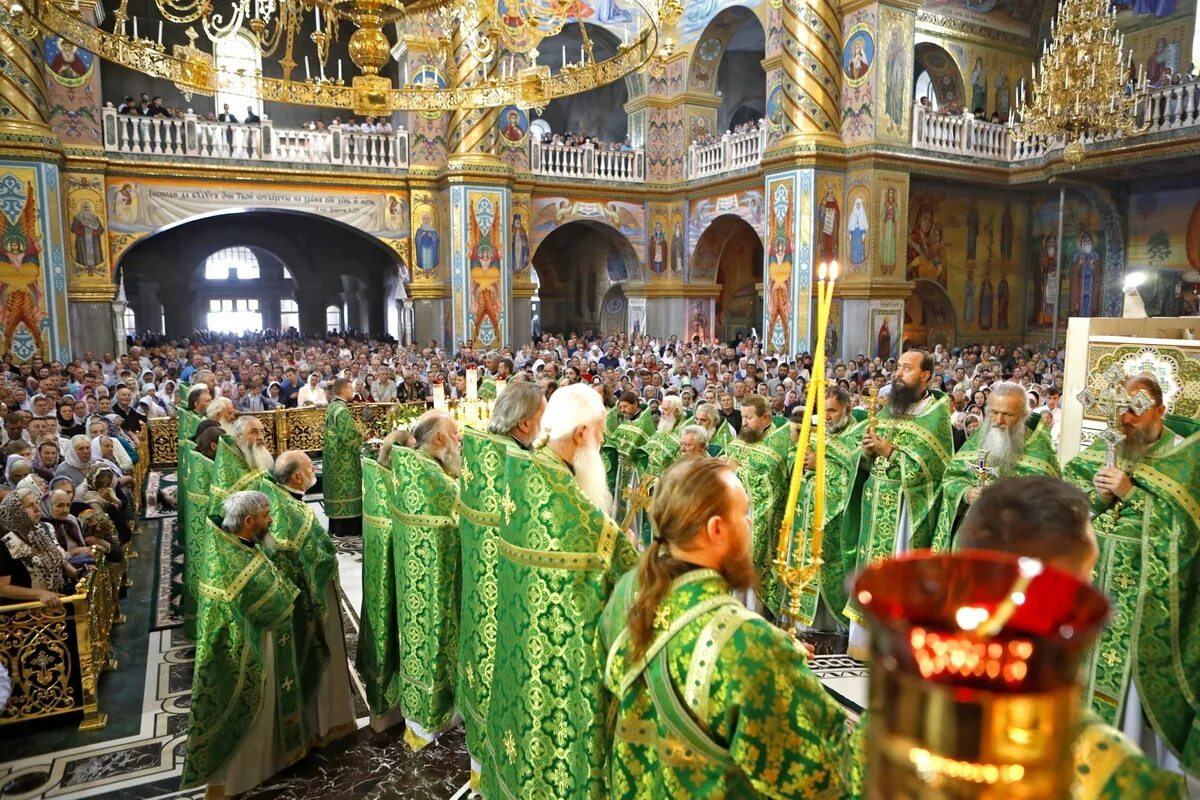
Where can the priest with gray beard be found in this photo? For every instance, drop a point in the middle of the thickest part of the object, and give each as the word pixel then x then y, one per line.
pixel 1010 443
pixel 250 436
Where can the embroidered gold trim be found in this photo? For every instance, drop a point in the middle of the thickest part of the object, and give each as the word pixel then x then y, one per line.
pixel 541 559
pixel 482 518
pixel 708 647
pixel 425 520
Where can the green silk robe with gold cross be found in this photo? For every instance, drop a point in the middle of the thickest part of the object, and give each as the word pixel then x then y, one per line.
pixel 722 704
pixel 559 558
pixel 721 438
pixel 839 547
pixel 187 422
pixel 481 489
pixel 1149 567
pixel 1038 458
pixel 763 471
pixel 341 464
pixel 378 656
pixel 230 474
pixel 425 555
pixel 194 487
pixel 907 481
pixel 661 449
pixel 624 445
pixel 242 597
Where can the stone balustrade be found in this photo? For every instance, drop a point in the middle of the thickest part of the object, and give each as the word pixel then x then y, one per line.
pixel 194 137
pixel 733 152
pixel 587 162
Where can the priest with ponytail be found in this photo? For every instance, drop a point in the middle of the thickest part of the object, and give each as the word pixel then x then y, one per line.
pixel 713 700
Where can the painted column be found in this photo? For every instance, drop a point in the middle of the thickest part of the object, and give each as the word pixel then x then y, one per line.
pixel 787 289
pixel 803 67
pixel 480 225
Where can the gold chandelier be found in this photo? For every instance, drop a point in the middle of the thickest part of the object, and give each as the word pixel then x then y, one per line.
pixel 1079 94
pixel 489 48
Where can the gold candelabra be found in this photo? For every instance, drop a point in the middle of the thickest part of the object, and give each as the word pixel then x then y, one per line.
pixel 1083 89
pixel 502 36
pixel 794 571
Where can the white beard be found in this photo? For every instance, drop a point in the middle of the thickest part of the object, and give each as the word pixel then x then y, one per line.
pixel 1005 447
pixel 258 457
pixel 591 477
pixel 666 423
pixel 227 428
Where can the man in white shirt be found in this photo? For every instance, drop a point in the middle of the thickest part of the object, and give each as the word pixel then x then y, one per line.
pixel 311 393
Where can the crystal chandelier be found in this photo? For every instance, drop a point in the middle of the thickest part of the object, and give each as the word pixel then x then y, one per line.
pixel 1080 94
pixel 489 48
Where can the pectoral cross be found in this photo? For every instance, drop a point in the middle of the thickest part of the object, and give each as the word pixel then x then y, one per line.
pixel 1108 394
pixel 638 499
pixel 983 473
pixel 872 402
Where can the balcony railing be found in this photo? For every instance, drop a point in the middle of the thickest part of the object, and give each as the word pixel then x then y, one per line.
pixel 733 152
pixel 194 137
pixel 587 163
pixel 1167 108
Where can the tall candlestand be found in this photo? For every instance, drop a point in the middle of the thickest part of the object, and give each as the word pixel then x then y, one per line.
pixel 795 571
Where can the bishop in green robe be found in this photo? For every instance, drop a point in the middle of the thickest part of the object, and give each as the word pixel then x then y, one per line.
pixel 1016 444
pixel 559 556
pixel 907 452
pixel 843 502
pixel 1144 673
pixel 246 720
pixel 425 556
pixel 341 465
pixel 378 656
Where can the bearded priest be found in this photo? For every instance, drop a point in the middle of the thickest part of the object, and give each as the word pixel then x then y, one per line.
pixel 907 451
pixel 559 556
pixel 241 460
pixel 1016 445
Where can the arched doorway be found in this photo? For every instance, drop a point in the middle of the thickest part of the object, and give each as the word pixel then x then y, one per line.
pixel 614 311
pixel 286 267
pixel 730 253
pixel 929 317
pixel 576 264
pixel 728 63
pixel 938 78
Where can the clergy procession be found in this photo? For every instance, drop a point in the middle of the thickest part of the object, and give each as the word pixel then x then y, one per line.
pixel 623 601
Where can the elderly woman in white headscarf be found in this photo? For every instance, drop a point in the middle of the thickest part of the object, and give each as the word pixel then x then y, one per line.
pixel 101 426
pixel 77 460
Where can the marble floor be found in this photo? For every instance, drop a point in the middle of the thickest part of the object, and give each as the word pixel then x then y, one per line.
pixel 139 755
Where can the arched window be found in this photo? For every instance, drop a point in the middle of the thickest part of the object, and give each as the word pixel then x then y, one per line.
pixel 232 263
pixel 231 53
pixel 333 318
pixel 234 316
pixel 925 89
pixel 287 274
pixel 289 314
pixel 130 322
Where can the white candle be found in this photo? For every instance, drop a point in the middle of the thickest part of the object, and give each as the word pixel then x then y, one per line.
pixel 318 18
pixel 160 32
pixel 339 69
pixel 472 384
pixel 564 61
pixel 405 73
pixel 580 54
pixel 135 31
pixel 307 73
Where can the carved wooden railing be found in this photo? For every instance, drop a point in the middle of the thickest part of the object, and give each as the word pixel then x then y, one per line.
pixel 55 655
pixel 286 429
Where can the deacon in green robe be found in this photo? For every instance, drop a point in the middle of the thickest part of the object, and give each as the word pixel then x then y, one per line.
pixel 761 453
pixel 425 556
pixel 378 657
pixel 515 423
pixel 843 502
pixel 341 466
pixel 907 452
pixel 303 552
pixel 246 720
pixel 627 409
pixel 559 557
pixel 625 444
pixel 1016 444
pixel 1144 673
pixel 713 701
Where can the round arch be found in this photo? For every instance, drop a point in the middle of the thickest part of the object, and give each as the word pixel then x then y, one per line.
pixel 163 272
pixel 589 111
pixel 730 252
pixel 929 317
pixel 576 265
pixel 727 63
pixel 946 79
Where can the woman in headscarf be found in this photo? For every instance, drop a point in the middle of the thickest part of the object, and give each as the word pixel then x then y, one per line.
pixel 104 426
pixel 166 397
pixel 68 423
pixel 77 461
pixel 100 492
pixel 47 458
pixel 55 509
pixel 32 568
pixel 15 469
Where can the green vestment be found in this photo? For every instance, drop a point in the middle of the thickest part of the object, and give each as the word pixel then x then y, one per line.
pixel 1038 458
pixel 1149 567
pixel 480 493
pixel 425 555
pixel 721 438
pixel 721 705
pixel 661 450
pixel 378 656
pixel 625 444
pixel 187 423
pixel 611 420
pixel 196 475
pixel 230 474
pixel 843 503
pixel 763 471
pixel 559 557
pixel 182 390
pixel 242 596
pixel 304 554
pixel 341 462
pixel 186 428
pixel 487 389
pixel 907 481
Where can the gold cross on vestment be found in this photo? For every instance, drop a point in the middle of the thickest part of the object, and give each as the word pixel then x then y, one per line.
pixel 662 617
pixel 639 500
pixel 983 473
pixel 288 684
pixel 467 475
pixel 1111 658
pixel 1107 393
pixel 1125 582
pixel 507 504
pixel 510 745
